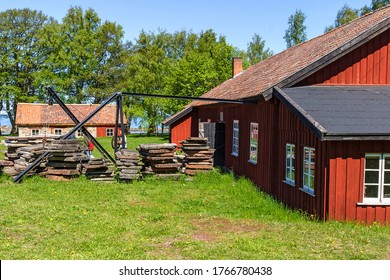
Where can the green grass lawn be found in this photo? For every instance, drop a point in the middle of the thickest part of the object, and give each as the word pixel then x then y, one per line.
pixel 212 216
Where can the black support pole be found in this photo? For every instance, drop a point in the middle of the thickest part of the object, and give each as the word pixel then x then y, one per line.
pixel 116 125
pixel 76 121
pixel 120 99
pixel 221 100
pixel 18 178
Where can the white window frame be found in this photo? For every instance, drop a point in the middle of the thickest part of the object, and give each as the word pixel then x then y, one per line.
pixel 253 142
pixel 306 171
pixel 381 179
pixel 35 132
pixel 236 138
pixel 111 133
pixel 57 131
pixel 290 166
pixel 80 133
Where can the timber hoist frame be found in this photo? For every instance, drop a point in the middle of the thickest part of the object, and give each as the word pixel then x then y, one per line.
pixel 118 98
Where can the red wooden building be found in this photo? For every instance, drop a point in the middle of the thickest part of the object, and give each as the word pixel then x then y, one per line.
pixel 41 119
pixel 318 136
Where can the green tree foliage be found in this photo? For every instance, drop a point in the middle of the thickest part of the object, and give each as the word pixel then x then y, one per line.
pixel 87 54
pixel 296 31
pixel 86 60
pixel 146 69
pixel 256 50
pixel 183 64
pixel 375 5
pixel 344 15
pixel 21 57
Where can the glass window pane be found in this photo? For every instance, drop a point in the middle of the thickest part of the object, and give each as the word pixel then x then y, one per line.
pixel 312 183
pixel 305 180
pixel 387 162
pixel 387 177
pixel 372 177
pixel 288 174
pixel 386 191
pixel 306 154
pixel 371 191
pixel 293 175
pixel 288 161
pixel 372 162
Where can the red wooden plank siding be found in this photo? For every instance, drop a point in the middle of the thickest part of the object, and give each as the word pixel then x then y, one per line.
pixel 339 172
pixel 101 131
pixel 181 129
pixel 368 64
pixel 346 177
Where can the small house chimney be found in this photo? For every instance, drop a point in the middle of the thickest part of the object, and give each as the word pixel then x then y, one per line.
pixel 236 66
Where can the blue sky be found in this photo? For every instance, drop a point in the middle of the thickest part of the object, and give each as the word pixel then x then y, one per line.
pixel 237 20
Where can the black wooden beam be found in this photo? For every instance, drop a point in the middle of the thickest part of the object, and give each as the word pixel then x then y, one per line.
pixel 55 97
pixel 221 100
pixel 18 178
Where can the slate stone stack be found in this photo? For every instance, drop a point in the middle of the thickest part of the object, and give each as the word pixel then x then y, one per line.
pixel 65 159
pixel 22 151
pixel 5 164
pixel 198 155
pixel 28 155
pixel 128 165
pixel 159 160
pixel 98 169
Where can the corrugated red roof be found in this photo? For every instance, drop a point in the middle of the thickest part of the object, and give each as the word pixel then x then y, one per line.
pixel 43 114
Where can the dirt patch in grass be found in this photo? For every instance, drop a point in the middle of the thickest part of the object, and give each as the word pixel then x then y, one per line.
pixel 213 229
pixel 135 203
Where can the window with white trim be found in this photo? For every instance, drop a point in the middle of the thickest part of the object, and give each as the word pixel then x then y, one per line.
pixel 109 132
pixel 253 144
pixel 235 138
pixel 34 132
pixel 58 131
pixel 80 133
pixel 377 178
pixel 308 169
pixel 290 164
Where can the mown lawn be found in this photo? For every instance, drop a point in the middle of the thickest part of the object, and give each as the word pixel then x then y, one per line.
pixel 211 216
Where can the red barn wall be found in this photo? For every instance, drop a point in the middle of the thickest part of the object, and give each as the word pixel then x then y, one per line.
pixel 277 126
pixel 101 131
pixel 184 128
pixel 346 177
pixel 368 64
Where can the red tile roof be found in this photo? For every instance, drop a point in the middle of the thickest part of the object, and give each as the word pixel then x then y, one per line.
pixel 292 65
pixel 43 114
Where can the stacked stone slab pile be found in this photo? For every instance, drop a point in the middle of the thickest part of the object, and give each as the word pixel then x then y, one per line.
pixel 22 151
pixel 65 159
pixel 198 155
pixel 128 165
pixel 5 164
pixel 28 155
pixel 98 169
pixel 159 160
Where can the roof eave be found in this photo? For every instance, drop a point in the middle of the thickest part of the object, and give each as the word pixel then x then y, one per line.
pixel 306 118
pixel 178 116
pixel 356 137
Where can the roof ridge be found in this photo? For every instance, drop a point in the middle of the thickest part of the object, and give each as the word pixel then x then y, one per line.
pixel 334 30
